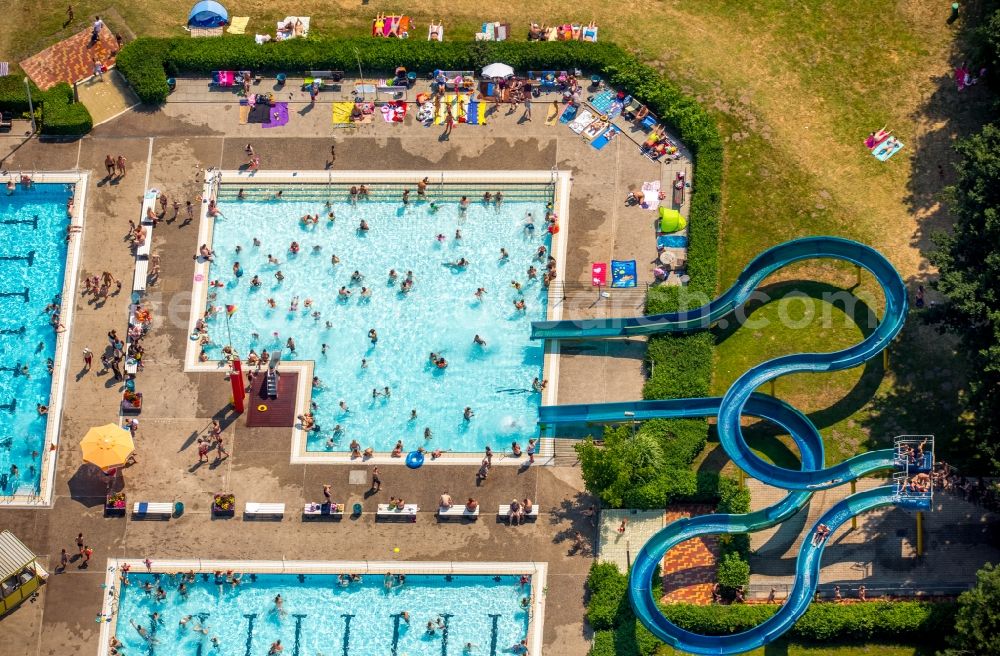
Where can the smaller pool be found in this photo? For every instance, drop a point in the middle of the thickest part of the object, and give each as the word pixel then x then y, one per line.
pixel 363 615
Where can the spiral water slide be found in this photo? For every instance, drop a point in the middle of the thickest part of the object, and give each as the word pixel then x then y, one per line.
pixel 740 400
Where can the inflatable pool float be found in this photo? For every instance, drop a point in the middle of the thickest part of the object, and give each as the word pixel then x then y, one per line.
pixel 414 460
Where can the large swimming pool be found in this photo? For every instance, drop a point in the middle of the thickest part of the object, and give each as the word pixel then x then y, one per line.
pixel 318 615
pixel 33 223
pixel 440 314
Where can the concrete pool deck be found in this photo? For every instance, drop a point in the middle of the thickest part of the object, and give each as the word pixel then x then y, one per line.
pixel 169 149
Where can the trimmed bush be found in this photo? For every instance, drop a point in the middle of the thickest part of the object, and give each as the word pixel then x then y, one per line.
pixel 62 116
pixel 608 588
pixel 733 571
pixel 141 63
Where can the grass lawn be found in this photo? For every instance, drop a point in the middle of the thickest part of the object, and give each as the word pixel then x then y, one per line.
pixel 785 648
pixel 795 89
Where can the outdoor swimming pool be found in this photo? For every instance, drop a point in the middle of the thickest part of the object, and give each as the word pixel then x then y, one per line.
pixel 318 615
pixel 33 223
pixel 440 314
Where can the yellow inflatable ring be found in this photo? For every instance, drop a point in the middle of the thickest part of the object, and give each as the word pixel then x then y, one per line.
pixel 262 408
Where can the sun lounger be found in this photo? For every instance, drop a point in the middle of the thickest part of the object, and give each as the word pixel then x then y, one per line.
pixel 504 512
pixel 583 119
pixel 292 27
pixel 148 510
pixel 407 513
pixel 253 510
pixel 333 511
pixel 457 511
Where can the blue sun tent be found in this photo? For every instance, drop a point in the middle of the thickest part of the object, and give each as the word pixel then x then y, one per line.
pixel 208 14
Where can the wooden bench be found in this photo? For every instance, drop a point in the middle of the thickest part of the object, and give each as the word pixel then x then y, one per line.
pixel 6 122
pixel 407 513
pixel 458 510
pixel 253 510
pixel 147 510
pixel 328 80
pixel 468 80
pixel 323 510
pixel 504 512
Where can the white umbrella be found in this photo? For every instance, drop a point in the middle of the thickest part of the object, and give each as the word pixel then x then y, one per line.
pixel 498 70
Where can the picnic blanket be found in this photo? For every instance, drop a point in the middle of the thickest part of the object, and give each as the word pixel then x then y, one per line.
pixel 277 115
pixel 238 25
pixel 342 112
pixel 622 273
pixel 394 112
pixel 583 119
pixel 602 101
pixel 887 149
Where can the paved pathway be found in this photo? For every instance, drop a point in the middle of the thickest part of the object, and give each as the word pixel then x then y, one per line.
pixel 70 60
pixel 689 568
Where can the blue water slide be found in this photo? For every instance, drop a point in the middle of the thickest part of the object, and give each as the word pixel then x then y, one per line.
pixel 741 399
pixel 806 570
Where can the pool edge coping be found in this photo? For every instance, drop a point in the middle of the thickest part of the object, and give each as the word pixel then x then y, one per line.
pixel 108 616
pixel 60 357
pixel 559 179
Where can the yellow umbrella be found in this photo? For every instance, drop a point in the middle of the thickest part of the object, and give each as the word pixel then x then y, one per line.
pixel 107 446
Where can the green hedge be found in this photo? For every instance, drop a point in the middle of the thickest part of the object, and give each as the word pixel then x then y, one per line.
pixel 617 633
pixel 59 115
pixel 897 621
pixel 13 95
pixel 62 116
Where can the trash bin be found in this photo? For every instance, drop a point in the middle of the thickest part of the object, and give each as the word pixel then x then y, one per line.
pixel 281 79
pixel 171 83
pixel 357 509
pixel 411 78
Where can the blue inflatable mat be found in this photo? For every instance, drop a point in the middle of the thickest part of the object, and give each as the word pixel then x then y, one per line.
pixel 672 241
pixel 623 273
pixel 569 114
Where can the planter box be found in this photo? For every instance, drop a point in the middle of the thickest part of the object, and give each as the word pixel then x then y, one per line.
pixel 114 511
pixel 219 511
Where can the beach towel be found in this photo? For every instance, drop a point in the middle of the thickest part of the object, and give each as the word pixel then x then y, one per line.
pixel 622 273
pixel 590 34
pixel 342 112
pixel 244 113
pixel 583 119
pixel 278 115
pixel 224 78
pixel 887 149
pixel 595 128
pixel 486 34
pixel 599 274
pixel 475 113
pixel 553 115
pixel 435 32
pixel 605 138
pixel 284 33
pixel 394 112
pixel 651 190
pixel 672 241
pixel 238 25
pixel 569 114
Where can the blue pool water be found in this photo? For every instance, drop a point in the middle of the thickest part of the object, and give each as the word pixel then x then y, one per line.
pixel 32 269
pixel 441 314
pixel 321 617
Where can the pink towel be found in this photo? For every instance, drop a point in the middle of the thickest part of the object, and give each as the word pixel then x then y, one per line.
pixel 226 78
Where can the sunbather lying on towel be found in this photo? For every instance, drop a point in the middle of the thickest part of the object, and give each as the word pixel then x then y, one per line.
pixel 875 138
